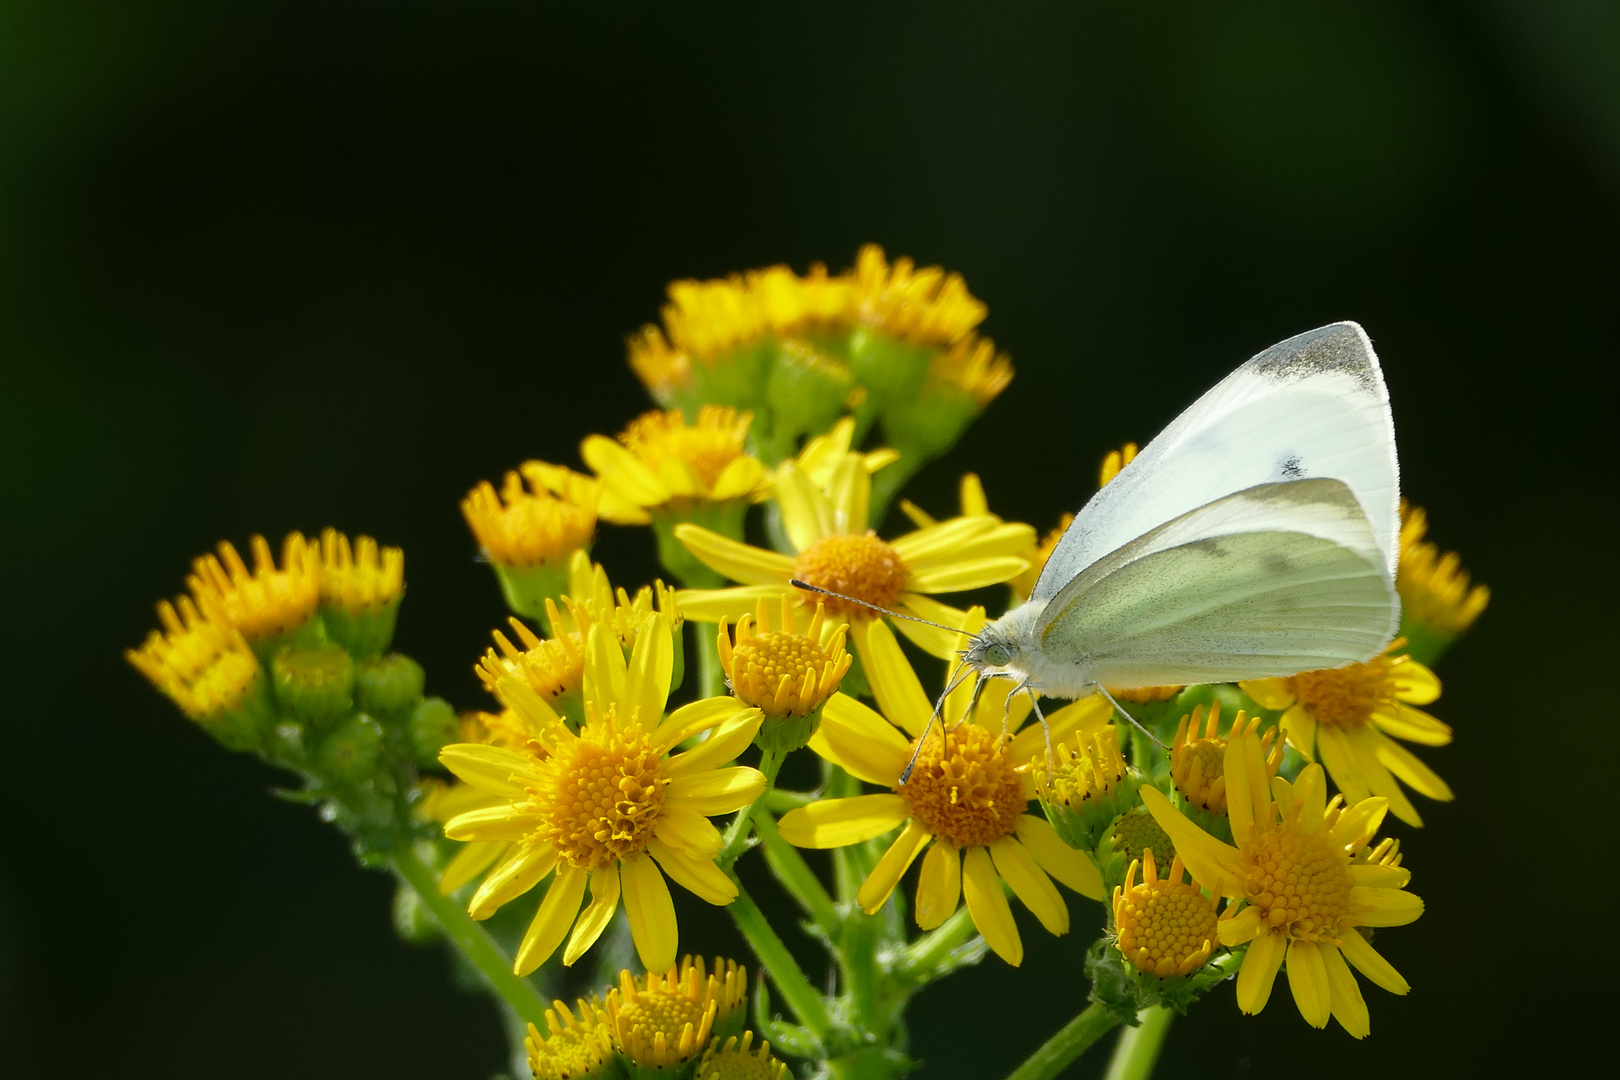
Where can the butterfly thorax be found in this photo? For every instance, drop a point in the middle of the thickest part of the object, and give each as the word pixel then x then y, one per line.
pixel 1010 648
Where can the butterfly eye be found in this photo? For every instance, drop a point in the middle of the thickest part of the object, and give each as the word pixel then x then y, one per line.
pixel 998 654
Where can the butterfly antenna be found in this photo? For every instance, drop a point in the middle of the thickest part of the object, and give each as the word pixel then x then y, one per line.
pixel 807 587
pixel 1103 690
pixel 937 714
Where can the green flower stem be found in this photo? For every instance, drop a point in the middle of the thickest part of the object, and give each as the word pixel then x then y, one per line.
pixel 473 941
pixel 793 872
pixel 770 763
pixel 711 675
pixel 925 955
pixel 1138 1047
pixel 801 997
pixel 886 484
pixel 1071 1040
pixel 778 801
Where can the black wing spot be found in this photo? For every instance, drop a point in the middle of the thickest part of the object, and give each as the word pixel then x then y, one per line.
pixel 1292 468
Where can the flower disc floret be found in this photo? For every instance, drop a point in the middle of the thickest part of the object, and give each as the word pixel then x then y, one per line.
pixel 265 602
pixel 542 524
pixel 965 787
pixel 735 1060
pixel 551 667
pixel 783 673
pixel 1087 771
pixel 573 1048
pixel 203 666
pixel 601 794
pixel 362 577
pixel 1135 833
pixel 1164 926
pixel 864 567
pixel 661 1021
pixel 1198 762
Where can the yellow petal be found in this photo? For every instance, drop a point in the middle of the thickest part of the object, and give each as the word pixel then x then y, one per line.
pixel 1299 728
pixel 1379 876
pixel 490 768
pixel 1413 725
pixel 966 574
pixel 1359 823
pixel 717 791
pixel 723 745
pixel 806 514
pixel 552 921
pixel 1310 789
pixel 651 912
pixel 1273 694
pixel 1414 683
pixel 597 914
pixel 737 561
pixel 1364 744
pixel 1349 1007
pixel 652 665
pixel 682 827
pixel 680 479
pixel 939 886
pixel 899 692
pixel 518 696
pixel 837 822
pixel 740 479
pixel 1073 868
pixel 935 543
pixel 1030 884
pixel 944 644
pixel 987 904
pixel 1367 960
pixel 700 715
pixel 1240 929
pixel 1404 764
pixel 505 822
pixel 1307 978
pixel 1333 743
pixel 1248 796
pixel 886 874
pixel 516 876
pixel 849 494
pixel 1259 971
pixel 605 670
pixel 1209 859
pixel 712 605
pixel 860 741
pixel 473 859
pixel 919 517
pixel 622 472
pixel 1385 907
pixel 993 540
pixel 698 876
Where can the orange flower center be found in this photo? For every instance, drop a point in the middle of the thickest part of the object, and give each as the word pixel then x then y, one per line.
pixel 965 788
pixel 1300 883
pixel 1346 697
pixel 1165 927
pixel 860 566
pixel 603 794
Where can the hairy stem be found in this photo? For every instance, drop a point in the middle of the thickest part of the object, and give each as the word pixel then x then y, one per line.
pixel 784 971
pixel 1071 1040
pixel 1138 1047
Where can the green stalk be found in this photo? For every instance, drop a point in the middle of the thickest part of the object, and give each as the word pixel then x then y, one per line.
pixel 1071 1040
pixel 711 675
pixel 784 971
pixel 473 941
pixel 923 956
pixel 770 763
pixel 1138 1047
pixel 794 873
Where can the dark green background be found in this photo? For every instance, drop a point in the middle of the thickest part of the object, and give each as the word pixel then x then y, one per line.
pixel 282 265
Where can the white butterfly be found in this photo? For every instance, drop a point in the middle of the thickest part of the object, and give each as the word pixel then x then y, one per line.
pixel 1255 537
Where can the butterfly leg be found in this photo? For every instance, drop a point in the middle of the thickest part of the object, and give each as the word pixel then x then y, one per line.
pixel 1046 729
pixel 938 715
pixel 1103 690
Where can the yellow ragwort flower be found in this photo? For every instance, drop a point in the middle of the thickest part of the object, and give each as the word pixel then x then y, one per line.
pixel 821 456
pixel 660 462
pixel 203 665
pixel 793 305
pixel 574 1047
pixel 972 367
pixel 1198 762
pixel 1303 895
pixel 735 1060
pixel 968 795
pixel 610 806
pixel 541 524
pixel 1350 717
pixel 362 577
pixel 264 603
pixel 836 550
pixel 783 673
pixel 1435 593
pixel 923 306
pixel 707 319
pixel 662 369
pixel 1164 926
pixel 660 1022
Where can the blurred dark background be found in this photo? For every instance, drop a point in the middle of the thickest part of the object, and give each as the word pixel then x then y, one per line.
pixel 283 265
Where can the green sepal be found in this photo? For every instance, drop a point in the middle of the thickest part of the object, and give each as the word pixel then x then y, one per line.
pixel 734 378
pixel 527 588
pixel 433 726
pixel 315 684
pixel 929 424
pixel 349 754
pixel 784 735
pixel 889 369
pixel 364 633
pixel 1084 826
pixel 388 686
pixel 413 922
pixel 1424 643
pixel 1118 986
pixel 632 1071
pixel 725 518
pixel 249 724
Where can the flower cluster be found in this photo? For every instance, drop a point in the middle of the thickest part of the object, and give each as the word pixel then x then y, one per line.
pixel 549 825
